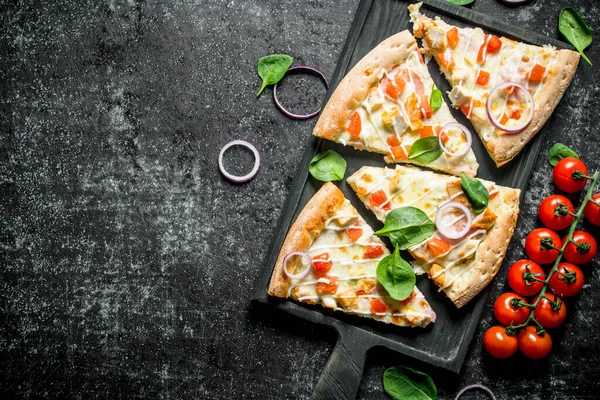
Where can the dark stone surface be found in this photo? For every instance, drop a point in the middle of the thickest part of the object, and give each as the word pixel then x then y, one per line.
pixel 127 261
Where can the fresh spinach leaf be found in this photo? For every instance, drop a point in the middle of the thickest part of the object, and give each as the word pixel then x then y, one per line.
pixel 396 276
pixel 272 68
pixel 406 226
pixel 327 166
pixel 425 150
pixel 403 383
pixel 460 2
pixel 435 100
pixel 475 191
pixel 575 30
pixel 558 151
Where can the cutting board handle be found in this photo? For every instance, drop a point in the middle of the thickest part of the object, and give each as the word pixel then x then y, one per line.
pixel 342 374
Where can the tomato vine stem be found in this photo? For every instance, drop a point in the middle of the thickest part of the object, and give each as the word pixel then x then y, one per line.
pixel 542 294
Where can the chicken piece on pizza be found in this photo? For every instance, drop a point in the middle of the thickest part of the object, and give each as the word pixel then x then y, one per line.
pixel 467 248
pixel 389 104
pixel 330 258
pixel 507 89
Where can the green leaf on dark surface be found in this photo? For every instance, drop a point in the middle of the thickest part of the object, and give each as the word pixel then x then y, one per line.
pixel 558 151
pixel 272 68
pixel 425 150
pixel 575 30
pixel 403 383
pixel 460 2
pixel 406 226
pixel 396 276
pixel 327 166
pixel 435 102
pixel 476 192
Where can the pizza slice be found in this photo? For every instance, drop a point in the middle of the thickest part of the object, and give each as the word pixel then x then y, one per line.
pixel 467 248
pixel 330 257
pixel 507 89
pixel 389 104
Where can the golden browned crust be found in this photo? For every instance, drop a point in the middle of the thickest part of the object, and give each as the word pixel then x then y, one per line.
pixel 491 250
pixel 353 89
pixel 504 148
pixel 309 224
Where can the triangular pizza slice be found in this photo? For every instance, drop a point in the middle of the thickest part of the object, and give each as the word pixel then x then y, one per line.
pixel 467 248
pixel 389 104
pixel 330 257
pixel 507 89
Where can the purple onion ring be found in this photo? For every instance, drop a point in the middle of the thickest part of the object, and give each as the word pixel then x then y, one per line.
pixel 249 175
pixel 495 122
pixel 300 68
pixel 300 274
pixel 476 386
pixel 465 132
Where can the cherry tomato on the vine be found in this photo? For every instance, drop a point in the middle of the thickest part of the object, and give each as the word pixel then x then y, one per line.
pixel 554 212
pixel 592 211
pixel 499 343
pixel 539 245
pixel 568 281
pixel 550 313
pixel 569 174
pixel 509 313
pixel 582 249
pixel 521 277
pixel 533 345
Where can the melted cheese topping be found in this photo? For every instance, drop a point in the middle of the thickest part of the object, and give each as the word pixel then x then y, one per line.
pixel 406 186
pixel 383 117
pixel 355 274
pixel 514 62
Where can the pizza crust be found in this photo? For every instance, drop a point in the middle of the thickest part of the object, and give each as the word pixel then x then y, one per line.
pixel 309 224
pixel 353 89
pixel 491 250
pixel 504 148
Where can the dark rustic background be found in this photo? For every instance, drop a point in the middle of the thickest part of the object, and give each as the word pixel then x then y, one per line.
pixel 127 262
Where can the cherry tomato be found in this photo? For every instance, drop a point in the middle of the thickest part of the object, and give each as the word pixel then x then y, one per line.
pixel 537 245
pixel 592 211
pixel 554 212
pixel 582 248
pixel 568 174
pixel 569 283
pixel 520 276
pixel 499 343
pixel 550 314
pixel 507 313
pixel 533 345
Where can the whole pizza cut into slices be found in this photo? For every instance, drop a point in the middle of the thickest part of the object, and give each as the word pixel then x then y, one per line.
pixel 330 257
pixel 507 89
pixel 468 242
pixel 389 104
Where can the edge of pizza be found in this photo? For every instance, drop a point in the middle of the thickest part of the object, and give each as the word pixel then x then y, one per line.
pixel 345 254
pixel 383 105
pixel 474 62
pixel 460 267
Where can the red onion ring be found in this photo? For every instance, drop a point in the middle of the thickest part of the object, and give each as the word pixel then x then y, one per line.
pixel 497 123
pixel 249 175
pixel 300 274
pixel 476 386
pixel 465 132
pixel 285 112
pixel 443 229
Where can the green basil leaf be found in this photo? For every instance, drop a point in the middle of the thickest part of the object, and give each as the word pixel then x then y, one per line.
pixel 425 150
pixel 475 191
pixel 327 166
pixel 558 151
pixel 396 276
pixel 460 2
pixel 403 383
pixel 272 68
pixel 575 30
pixel 406 226
pixel 435 101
